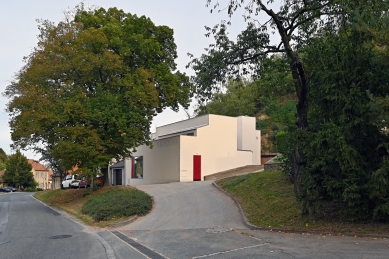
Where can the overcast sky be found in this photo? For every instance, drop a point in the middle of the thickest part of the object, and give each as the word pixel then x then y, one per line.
pixel 18 28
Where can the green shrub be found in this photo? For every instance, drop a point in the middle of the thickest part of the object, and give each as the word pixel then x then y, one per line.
pixel 30 189
pixel 118 203
pixel 39 189
pixel 285 146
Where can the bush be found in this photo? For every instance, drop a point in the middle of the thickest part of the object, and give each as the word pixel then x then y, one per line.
pixel 118 203
pixel 39 189
pixel 30 189
pixel 285 145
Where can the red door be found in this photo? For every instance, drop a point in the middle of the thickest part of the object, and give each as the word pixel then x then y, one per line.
pixel 196 168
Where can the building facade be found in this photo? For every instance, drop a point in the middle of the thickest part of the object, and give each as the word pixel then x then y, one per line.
pixel 41 174
pixel 191 149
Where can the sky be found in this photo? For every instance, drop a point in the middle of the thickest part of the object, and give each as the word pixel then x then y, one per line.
pixel 18 28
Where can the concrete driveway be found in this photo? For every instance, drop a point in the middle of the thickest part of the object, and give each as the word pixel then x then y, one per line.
pixel 195 220
pixel 189 205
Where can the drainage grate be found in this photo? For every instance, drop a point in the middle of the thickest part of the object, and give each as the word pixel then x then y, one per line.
pixel 60 236
pixel 141 248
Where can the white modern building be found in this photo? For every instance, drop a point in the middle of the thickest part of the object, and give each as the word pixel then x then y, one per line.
pixel 191 149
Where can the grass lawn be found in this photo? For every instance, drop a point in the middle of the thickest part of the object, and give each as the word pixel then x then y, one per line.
pixel 268 201
pixel 102 207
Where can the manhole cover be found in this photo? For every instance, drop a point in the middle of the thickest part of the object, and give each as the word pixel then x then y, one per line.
pixel 60 236
pixel 218 230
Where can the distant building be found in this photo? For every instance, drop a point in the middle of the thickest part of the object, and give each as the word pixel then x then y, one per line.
pixel 191 149
pixel 41 174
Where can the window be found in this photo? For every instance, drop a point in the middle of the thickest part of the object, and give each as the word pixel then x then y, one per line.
pixel 137 167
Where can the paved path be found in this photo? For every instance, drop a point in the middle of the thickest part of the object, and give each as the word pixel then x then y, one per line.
pixel 189 205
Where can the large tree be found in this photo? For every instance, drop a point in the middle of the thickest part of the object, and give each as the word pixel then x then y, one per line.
pixel 18 171
pixel 3 159
pixel 91 87
pixel 347 146
pixel 296 22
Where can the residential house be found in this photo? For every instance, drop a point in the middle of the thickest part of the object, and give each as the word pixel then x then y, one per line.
pixel 191 149
pixel 41 174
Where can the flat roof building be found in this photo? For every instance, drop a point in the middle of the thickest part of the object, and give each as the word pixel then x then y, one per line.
pixel 191 149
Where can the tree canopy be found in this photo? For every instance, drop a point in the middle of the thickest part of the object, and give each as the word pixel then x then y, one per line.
pixel 18 171
pixel 91 86
pixel 336 51
pixel 347 150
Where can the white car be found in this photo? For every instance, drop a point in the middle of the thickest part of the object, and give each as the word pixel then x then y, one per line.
pixel 69 181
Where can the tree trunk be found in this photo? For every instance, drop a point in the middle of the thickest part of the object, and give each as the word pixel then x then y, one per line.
pixel 301 85
pixel 105 173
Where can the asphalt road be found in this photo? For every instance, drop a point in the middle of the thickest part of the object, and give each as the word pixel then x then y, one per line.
pixel 189 220
pixel 29 229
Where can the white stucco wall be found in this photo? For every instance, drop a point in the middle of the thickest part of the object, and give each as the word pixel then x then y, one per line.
pixel 217 140
pixel 218 146
pixel 181 125
pixel 160 164
pixel 246 133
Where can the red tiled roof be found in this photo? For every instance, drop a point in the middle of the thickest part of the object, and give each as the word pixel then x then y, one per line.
pixel 37 166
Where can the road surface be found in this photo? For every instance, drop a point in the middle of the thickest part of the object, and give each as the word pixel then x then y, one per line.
pixel 189 220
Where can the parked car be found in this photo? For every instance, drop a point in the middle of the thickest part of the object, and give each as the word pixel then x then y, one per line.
pixel 10 188
pixel 3 189
pixel 67 181
pixel 75 184
pixel 84 182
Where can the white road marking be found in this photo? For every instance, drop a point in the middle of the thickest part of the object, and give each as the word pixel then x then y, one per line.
pixel 228 251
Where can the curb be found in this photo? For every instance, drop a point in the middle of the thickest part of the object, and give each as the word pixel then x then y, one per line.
pixel 122 223
pixel 285 230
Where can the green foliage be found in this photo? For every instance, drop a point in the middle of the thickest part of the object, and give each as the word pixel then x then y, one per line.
pixel 270 94
pixel 18 171
pixel 346 147
pixel 284 114
pixel 379 191
pixel 285 145
pixel 2 166
pixel 30 189
pixel 118 203
pixel 3 156
pixel 239 99
pixel 281 140
pixel 91 87
pixel 3 159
